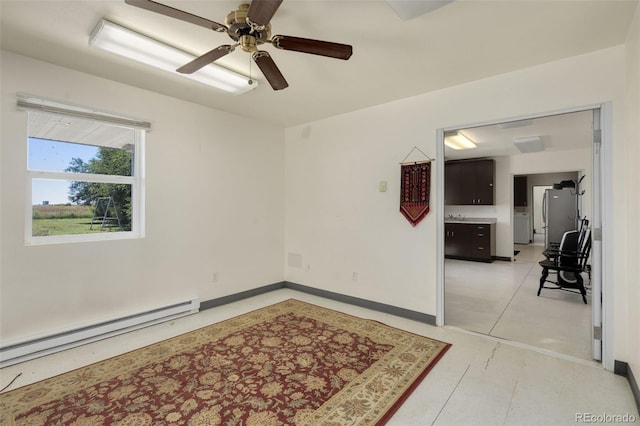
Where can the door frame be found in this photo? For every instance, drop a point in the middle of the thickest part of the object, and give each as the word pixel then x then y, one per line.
pixel 602 203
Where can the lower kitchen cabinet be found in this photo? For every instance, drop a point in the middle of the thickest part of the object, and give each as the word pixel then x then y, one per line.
pixel 470 241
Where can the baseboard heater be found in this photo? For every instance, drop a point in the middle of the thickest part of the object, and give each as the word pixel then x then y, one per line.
pixel 31 349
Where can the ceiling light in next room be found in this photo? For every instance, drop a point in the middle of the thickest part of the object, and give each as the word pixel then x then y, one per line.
pixel 132 45
pixel 529 144
pixel 457 140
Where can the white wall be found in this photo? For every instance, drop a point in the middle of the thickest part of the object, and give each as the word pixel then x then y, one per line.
pixel 214 203
pixel 338 221
pixel 334 216
pixel 632 190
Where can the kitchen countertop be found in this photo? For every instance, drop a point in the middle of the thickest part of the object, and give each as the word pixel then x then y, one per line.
pixel 483 220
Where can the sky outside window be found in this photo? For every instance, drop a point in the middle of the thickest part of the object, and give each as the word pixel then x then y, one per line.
pixel 49 155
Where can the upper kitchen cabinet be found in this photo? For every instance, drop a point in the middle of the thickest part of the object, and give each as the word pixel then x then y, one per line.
pixel 520 191
pixel 469 182
pixel 452 192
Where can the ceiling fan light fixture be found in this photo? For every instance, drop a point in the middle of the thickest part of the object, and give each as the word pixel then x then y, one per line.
pixel 458 141
pixel 133 45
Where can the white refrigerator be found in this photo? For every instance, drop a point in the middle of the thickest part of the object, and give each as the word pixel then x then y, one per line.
pixel 559 214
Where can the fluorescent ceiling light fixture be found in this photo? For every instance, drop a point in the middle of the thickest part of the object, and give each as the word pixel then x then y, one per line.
pixel 456 140
pixel 130 44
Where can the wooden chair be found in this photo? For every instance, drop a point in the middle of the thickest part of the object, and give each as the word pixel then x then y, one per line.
pixel 568 263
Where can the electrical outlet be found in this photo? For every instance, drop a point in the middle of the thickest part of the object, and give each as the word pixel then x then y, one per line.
pixel 214 277
pixel 354 276
pixel 307 268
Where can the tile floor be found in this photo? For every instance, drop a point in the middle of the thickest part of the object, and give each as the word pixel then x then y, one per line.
pixel 480 380
pixel 500 299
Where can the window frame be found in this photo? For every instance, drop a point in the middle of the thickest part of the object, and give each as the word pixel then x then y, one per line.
pixel 136 181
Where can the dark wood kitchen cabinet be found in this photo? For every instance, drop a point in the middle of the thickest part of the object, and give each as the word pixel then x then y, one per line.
pixel 456 236
pixel 470 241
pixel 452 183
pixel 520 191
pixel 469 182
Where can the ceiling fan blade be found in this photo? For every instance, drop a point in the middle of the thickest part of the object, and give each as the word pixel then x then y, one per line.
pixel 204 60
pixel 176 13
pixel 261 11
pixel 270 70
pixel 315 47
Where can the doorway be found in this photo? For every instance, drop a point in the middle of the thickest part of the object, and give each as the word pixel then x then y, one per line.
pixel 486 309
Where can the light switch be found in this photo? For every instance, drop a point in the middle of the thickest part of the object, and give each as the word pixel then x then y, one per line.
pixel 382 187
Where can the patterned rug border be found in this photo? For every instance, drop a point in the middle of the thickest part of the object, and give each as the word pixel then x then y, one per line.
pixel 391 410
pixel 364 326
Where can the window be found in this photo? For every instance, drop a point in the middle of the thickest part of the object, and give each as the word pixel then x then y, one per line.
pixel 85 175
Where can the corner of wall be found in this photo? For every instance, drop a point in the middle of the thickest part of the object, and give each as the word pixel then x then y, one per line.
pixel 632 86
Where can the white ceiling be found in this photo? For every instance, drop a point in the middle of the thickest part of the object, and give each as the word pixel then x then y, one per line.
pixel 393 58
pixel 558 133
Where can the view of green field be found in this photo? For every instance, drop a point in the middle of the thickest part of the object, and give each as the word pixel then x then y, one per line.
pixel 65 220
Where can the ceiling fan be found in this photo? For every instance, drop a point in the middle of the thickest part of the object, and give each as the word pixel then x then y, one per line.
pixel 249 26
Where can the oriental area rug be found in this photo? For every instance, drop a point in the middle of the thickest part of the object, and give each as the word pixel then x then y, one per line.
pixel 292 363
